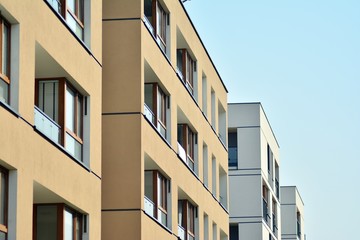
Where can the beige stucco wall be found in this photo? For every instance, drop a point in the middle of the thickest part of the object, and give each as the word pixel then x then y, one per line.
pixel 32 160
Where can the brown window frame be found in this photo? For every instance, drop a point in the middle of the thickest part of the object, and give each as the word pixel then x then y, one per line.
pixel 3 76
pixel 63 85
pixel 61 208
pixel 160 204
pixel 159 110
pixel 188 209
pixel 188 136
pixel 188 68
pixel 4 227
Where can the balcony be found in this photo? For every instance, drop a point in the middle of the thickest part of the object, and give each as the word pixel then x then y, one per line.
pixel 181 232
pixel 275 229
pixel 148 207
pixel 149 114
pixel 179 73
pixel 182 153
pixel 266 215
pixel 46 125
pixel 233 159
pixel 277 188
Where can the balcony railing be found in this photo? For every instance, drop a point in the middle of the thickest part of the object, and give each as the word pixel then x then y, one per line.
pixel 233 158
pixel 181 152
pixel 56 4
pixel 274 225
pixel 277 188
pixel 73 146
pixel 181 232
pixel 46 125
pixel 178 71
pixel 148 25
pixel 148 206
pixel 149 114
pixel 298 228
pixel 266 215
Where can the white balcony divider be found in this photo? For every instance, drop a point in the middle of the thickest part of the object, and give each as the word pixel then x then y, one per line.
pixel 149 114
pixel 181 152
pixel 46 125
pixel 149 206
pixel 181 232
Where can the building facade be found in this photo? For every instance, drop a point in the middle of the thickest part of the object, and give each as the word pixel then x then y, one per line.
pixel 164 126
pixel 50 113
pixel 292 214
pixel 253 174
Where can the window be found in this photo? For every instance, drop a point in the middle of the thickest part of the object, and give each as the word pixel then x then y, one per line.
pixel 204 94
pixel 73 12
pixel 156 105
pixel 4 174
pixel 186 218
pixel 156 195
pixel 186 66
pixel 58 222
pixel 269 158
pixel 233 150
pixel 234 232
pixel 5 32
pixel 158 19
pixel 265 192
pixel 298 224
pixel 59 113
pixel 274 217
pixel 205 165
pixel 186 138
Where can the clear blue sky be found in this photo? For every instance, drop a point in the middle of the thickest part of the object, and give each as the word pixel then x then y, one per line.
pixel 301 59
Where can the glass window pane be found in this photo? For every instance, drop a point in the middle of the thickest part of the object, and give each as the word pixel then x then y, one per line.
pixel 68 226
pixel 71 5
pixel 5 50
pixel 149 193
pixel 4 91
pixel 149 96
pixel 46 222
pixel 3 186
pixel 48 99
pixel 2 236
pixel 73 147
pixel 79 117
pixel 78 227
pixel 75 27
pixel 70 110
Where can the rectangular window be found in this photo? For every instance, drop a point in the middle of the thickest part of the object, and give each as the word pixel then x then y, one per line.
pixel 157 17
pixel 57 221
pixel 266 215
pixel 156 193
pixel 298 225
pixel 186 218
pixel 59 113
pixel 269 158
pixel 156 104
pixel 233 150
pixel 186 66
pixel 186 138
pixel 4 183
pixel 73 12
pixel 234 232
pixel 5 32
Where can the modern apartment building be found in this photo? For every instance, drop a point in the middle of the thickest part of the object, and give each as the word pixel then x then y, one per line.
pixel 253 174
pixel 50 117
pixel 292 214
pixel 164 126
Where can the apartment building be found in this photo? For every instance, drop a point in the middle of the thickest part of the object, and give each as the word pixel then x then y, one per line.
pixel 292 214
pixel 164 126
pixel 50 113
pixel 253 174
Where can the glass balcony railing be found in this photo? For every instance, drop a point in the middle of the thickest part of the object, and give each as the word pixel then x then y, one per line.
pixel 233 156
pixel 46 125
pixel 181 232
pixel 56 4
pixel 182 153
pixel 149 114
pixel 178 71
pixel 148 206
pixel 148 25
pixel 73 147
pixel 265 211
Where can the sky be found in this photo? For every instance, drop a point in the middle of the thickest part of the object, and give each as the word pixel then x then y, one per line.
pixel 301 60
